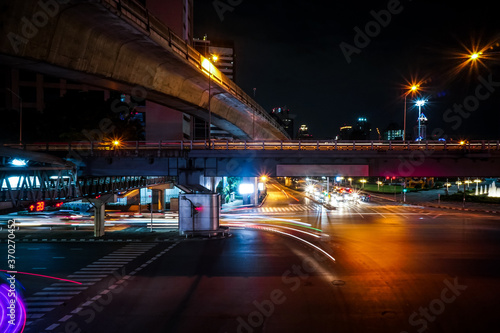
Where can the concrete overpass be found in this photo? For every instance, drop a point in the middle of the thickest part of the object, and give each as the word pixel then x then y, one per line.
pixel 119 45
pixel 185 162
pixel 190 159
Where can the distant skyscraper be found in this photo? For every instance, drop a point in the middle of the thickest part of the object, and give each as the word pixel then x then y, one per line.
pixel 362 129
pixel 282 116
pixel 393 132
pixel 303 133
pixel 345 133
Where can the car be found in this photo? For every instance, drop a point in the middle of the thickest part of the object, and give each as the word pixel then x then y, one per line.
pixel 364 197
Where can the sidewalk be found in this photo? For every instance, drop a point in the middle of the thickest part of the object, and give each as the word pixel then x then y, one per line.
pixel 430 199
pixel 469 206
pixel 235 205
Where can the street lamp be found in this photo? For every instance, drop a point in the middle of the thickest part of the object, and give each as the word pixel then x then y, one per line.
pixel 362 181
pixel 207 64
pixel 472 58
pixel 447 185
pixel 458 188
pixel 20 116
pixel 475 55
pixel 412 89
pixel 420 103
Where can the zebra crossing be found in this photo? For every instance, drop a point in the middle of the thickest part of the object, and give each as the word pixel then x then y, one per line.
pixel 112 264
pixel 284 209
pixel 343 210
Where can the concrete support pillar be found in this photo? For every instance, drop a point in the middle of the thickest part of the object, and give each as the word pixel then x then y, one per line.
pixel 211 182
pixel 99 213
pixel 187 177
pixel 217 180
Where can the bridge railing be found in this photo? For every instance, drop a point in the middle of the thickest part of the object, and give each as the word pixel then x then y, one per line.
pixel 133 147
pixel 154 28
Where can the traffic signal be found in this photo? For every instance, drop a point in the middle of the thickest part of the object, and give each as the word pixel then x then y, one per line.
pixel 149 206
pixel 197 209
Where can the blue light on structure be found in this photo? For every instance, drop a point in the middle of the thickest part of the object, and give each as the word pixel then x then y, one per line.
pixel 18 162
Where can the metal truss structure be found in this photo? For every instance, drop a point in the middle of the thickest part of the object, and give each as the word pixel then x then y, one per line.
pixel 33 178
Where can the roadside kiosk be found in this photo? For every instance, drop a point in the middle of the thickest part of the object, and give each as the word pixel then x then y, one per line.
pixel 199 212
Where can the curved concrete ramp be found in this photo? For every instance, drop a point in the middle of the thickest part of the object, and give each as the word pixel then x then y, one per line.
pixel 117 45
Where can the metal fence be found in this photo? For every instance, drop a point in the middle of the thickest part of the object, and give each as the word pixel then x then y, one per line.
pixel 318 145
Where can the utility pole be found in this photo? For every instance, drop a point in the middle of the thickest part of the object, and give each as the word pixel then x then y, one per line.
pixel 253 120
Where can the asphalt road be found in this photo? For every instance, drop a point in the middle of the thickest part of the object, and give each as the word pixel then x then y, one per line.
pixel 387 268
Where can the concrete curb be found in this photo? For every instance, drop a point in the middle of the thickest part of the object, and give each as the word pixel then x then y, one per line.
pixel 456 208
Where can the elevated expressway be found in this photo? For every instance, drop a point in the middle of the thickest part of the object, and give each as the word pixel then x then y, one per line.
pixel 119 45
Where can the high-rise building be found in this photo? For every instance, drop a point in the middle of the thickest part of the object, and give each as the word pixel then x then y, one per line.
pixel 175 14
pixel 283 117
pixel 303 133
pixel 362 129
pixel 345 133
pixel 393 132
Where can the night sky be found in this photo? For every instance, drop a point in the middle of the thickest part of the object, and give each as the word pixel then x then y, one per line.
pixel 290 52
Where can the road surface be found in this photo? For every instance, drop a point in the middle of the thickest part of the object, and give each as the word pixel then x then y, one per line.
pixel 385 268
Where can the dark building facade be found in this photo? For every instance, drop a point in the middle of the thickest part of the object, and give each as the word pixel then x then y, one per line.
pixel 283 117
pixel 360 131
pixel 303 133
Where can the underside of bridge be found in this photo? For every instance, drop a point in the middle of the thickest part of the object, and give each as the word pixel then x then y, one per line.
pixel 101 44
pixel 28 177
pixel 302 164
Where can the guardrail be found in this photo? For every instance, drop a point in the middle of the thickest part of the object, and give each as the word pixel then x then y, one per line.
pixel 318 145
pixel 138 15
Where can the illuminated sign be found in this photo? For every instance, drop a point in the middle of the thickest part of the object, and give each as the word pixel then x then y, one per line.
pixel 246 188
pixel 37 207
